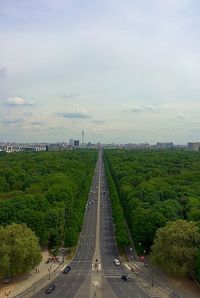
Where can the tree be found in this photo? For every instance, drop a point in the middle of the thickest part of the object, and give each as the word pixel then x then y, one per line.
pixel 176 246
pixel 197 266
pixel 19 250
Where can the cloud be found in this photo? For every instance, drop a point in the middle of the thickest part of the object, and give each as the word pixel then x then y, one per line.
pixel 12 121
pixel 68 95
pixel 18 101
pixel 180 115
pixel 2 72
pixel 142 109
pixel 98 121
pixel 37 123
pixel 73 115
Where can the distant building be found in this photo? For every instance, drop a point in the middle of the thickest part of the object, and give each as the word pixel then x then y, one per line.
pixel 34 148
pixel 71 142
pixel 164 145
pixel 195 146
pixel 76 143
pixel 8 149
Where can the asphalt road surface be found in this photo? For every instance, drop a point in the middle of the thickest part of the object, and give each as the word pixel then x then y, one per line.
pixel 98 219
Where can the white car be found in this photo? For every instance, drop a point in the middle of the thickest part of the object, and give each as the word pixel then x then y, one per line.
pixel 116 262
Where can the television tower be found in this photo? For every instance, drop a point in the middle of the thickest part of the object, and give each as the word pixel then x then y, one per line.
pixel 83 133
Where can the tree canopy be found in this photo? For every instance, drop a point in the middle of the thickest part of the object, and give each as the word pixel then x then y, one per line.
pixel 175 247
pixel 47 191
pixel 19 250
pixel 155 187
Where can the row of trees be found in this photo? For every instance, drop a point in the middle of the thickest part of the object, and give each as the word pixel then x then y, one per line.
pixel 155 187
pixel 47 191
pixel 121 232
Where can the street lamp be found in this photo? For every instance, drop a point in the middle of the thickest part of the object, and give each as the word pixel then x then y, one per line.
pixel 63 254
pixel 152 280
pixel 49 269
pixel 140 244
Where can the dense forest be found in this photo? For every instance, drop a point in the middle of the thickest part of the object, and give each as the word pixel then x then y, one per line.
pixel 155 188
pixel 47 191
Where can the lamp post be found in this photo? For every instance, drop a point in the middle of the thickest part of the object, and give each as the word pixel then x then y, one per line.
pixel 140 244
pixel 63 254
pixel 49 269
pixel 152 280
pixel 131 253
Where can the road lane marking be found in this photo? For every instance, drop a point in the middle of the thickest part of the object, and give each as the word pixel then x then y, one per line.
pixel 57 292
pixel 121 289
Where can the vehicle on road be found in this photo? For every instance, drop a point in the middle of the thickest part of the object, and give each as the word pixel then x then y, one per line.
pixel 67 269
pixel 116 262
pixel 125 278
pixel 50 289
pixel 141 258
pixel 7 279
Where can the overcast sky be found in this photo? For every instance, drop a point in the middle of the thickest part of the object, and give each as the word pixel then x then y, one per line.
pixel 122 71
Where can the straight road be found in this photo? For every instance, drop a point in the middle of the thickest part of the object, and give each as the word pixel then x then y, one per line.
pixel 93 262
pixel 67 285
pixel 109 251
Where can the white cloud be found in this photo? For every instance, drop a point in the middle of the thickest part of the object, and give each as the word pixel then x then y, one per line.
pixel 142 109
pixel 180 115
pixel 18 101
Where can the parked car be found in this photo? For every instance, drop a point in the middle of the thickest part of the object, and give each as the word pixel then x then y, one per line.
pixel 125 278
pixel 116 262
pixel 67 269
pixel 50 289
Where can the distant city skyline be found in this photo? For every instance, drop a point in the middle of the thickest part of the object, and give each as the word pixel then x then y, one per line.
pixel 121 71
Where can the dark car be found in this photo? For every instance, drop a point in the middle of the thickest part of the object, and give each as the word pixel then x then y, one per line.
pixel 50 289
pixel 125 278
pixel 7 279
pixel 67 269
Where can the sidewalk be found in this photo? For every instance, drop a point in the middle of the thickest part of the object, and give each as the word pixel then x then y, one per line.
pixel 20 284
pixel 163 285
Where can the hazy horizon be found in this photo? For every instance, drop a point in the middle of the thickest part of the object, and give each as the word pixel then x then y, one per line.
pixel 122 71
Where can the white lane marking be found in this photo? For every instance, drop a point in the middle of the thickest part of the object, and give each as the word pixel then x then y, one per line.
pixel 121 289
pixel 68 292
pixel 139 296
pixel 57 292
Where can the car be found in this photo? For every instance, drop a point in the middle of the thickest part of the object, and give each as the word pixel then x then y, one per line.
pixel 7 279
pixel 50 289
pixel 125 278
pixel 67 269
pixel 116 262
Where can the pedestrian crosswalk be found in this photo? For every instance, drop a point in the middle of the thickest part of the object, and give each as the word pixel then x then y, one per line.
pixel 96 267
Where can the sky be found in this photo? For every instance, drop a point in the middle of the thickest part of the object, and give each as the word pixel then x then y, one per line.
pixel 121 70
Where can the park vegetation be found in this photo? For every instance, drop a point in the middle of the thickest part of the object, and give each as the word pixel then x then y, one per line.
pixel 47 191
pixel 121 230
pixel 156 188
pixel 19 250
